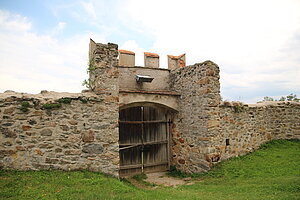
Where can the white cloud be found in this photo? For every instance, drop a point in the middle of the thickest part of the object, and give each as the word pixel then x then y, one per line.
pixel 30 62
pixel 10 21
pixel 255 43
pixel 245 38
pixel 58 29
pixel 89 8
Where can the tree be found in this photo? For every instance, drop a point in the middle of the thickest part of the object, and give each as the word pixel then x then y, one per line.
pixel 268 98
pixel 290 97
pixel 282 99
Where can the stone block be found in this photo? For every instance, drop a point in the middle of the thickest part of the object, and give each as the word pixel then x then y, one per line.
pixel 88 136
pixel 111 99
pixel 64 127
pixel 6 152
pixel 151 60
pixel 126 58
pixel 26 127
pixel 210 72
pixel 92 148
pixel 73 152
pixel 181 161
pixel 46 132
pixel 175 62
pixel 8 133
pixel 203 81
pixel 73 122
pixel 46 145
pixel 20 148
pixel 9 110
pixel 213 123
pixel 51 160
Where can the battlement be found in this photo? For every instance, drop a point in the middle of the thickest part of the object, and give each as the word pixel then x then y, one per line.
pixel 126 58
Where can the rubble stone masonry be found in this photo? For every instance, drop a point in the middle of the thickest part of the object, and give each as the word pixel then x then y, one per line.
pixel 206 130
pixel 197 121
pixel 81 134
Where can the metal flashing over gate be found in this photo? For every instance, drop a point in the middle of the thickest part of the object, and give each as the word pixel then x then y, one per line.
pixel 144 135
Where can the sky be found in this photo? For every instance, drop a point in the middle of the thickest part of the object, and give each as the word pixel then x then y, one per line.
pixel 256 43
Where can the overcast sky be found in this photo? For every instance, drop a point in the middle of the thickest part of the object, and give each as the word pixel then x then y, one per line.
pixel 256 43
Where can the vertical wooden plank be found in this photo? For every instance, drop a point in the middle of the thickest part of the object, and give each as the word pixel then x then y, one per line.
pixel 142 136
pixel 168 139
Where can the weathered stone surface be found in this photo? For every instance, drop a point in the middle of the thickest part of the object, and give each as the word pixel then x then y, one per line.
pixel 8 133
pixel 88 136
pixel 26 127
pixel 9 110
pixel 73 122
pixel 39 152
pixel 46 132
pixel 213 123
pixel 46 145
pixel 73 152
pixel 32 121
pixel 6 152
pixel 20 148
pixel 64 127
pixel 93 148
pixel 181 161
pixel 52 160
pixel 8 124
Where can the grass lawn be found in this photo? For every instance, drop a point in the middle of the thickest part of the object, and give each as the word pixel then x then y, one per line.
pixel 273 172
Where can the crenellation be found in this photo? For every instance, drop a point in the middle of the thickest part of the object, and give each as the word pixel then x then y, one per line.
pixel 151 60
pixel 126 58
pixel 175 62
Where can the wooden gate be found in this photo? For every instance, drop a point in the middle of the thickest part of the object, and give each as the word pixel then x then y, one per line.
pixel 144 140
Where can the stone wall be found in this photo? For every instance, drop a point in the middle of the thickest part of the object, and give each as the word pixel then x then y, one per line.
pixel 246 127
pixel 81 133
pixel 195 124
pixel 206 130
pixel 103 71
pixel 128 82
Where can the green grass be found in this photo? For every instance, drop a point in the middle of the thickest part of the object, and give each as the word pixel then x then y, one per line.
pixel 273 172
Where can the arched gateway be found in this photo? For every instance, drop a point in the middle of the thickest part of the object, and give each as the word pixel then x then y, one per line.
pixel 144 135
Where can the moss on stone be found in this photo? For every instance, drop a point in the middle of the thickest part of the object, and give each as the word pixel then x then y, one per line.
pixel 65 100
pixel 49 106
pixel 24 106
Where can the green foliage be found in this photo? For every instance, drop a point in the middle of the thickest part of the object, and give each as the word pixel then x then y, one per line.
pixel 290 97
pixel 140 177
pixel 269 173
pixel 83 100
pixel 268 98
pixel 282 99
pixel 24 106
pixel 88 83
pixel 65 100
pixel 50 106
pixel 91 66
pixel 238 108
pixel 174 172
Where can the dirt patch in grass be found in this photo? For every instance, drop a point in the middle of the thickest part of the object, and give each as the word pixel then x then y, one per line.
pixel 161 178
